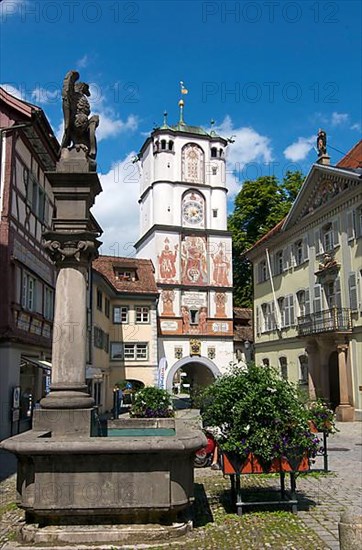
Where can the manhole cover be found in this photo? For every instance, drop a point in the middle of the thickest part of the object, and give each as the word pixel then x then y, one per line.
pixel 338 449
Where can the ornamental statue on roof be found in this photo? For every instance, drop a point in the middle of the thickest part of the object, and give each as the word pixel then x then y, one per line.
pixel 322 143
pixel 79 128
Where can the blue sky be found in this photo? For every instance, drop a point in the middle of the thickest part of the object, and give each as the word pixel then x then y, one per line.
pixel 269 72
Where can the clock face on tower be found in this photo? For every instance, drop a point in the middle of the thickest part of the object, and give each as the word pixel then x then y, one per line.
pixel 192 212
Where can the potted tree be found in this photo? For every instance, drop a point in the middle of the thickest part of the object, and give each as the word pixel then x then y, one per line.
pixel 258 421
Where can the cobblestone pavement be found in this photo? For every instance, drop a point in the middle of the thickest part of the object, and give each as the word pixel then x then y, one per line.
pixel 322 500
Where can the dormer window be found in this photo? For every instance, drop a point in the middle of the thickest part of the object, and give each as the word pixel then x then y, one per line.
pixel 126 275
pixel 213 152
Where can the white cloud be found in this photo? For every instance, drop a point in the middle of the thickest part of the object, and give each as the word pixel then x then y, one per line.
pixel 117 208
pixel 249 147
pixel 339 118
pixel 42 95
pixel 356 126
pixel 111 127
pixel 10 89
pixel 299 149
pixel 82 62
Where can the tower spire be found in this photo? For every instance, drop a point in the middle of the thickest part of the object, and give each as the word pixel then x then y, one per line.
pixel 181 103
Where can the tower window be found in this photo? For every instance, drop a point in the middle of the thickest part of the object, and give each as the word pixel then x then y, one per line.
pixel 163 144
pixel 213 152
pixel 170 145
pixel 214 170
pixel 221 153
pixel 214 213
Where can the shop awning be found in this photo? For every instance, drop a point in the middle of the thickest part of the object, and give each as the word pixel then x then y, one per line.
pixel 45 365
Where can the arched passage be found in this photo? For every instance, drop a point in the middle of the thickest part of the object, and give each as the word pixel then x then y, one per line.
pixel 200 368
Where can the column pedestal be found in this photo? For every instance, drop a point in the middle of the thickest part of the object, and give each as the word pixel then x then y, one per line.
pixel 344 411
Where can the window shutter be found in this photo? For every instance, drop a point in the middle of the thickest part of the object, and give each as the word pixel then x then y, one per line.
pixel 307 302
pixel 291 309
pixel 352 288
pixel 317 302
pixel 259 272
pixel 337 287
pixel 358 222
pixel 257 321
pixel 335 226
pixel 317 242
pixel 286 258
pixel 350 225
pixel 305 248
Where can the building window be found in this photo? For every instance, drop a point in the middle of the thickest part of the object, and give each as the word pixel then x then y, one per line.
pixel 107 307
pixel 136 352
pixel 289 311
pixel 214 213
pixel 268 315
pixel 28 292
pixel 303 302
pixel 48 303
pixel 262 271
pixel 126 275
pixel 283 363
pixel 279 262
pixel 303 369
pixel 298 252
pixel 265 362
pixel 170 145
pixel 353 291
pixel 163 144
pixel 142 314
pixel 99 299
pixel 214 170
pixel 120 314
pixel 194 316
pixel 116 351
pixel 213 152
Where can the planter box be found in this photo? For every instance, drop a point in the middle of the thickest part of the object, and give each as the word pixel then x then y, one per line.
pixel 234 464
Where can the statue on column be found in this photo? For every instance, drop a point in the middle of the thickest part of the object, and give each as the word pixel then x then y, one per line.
pixel 79 129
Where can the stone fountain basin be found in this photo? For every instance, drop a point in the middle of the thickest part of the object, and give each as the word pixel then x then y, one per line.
pixel 80 479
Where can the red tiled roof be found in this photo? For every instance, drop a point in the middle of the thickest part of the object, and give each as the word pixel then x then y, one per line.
pixel 353 159
pixel 145 280
pixel 242 313
pixel 243 333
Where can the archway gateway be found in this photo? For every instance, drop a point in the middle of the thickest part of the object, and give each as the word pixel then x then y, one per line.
pixel 200 370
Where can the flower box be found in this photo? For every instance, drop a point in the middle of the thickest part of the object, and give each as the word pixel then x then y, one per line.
pixel 234 464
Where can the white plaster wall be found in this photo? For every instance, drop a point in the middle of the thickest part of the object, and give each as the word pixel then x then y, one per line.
pixel 224 351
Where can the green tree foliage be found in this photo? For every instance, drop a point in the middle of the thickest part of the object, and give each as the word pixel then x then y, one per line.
pixel 259 206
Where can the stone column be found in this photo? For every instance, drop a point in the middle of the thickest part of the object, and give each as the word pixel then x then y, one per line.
pixel 344 411
pixel 72 244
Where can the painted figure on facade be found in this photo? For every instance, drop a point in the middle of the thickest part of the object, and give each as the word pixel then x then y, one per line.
pixel 221 267
pixel 322 143
pixel 220 302
pixel 167 262
pixel 79 129
pixel 193 259
pixel 185 314
pixel 167 297
pixel 203 320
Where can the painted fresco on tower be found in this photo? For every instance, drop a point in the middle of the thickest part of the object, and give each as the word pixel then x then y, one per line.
pixel 167 262
pixel 192 163
pixel 221 268
pixel 193 260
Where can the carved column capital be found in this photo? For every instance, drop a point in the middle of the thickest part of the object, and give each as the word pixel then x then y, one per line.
pixel 71 250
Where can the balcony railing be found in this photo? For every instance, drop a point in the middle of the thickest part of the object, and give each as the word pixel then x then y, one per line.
pixel 329 320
